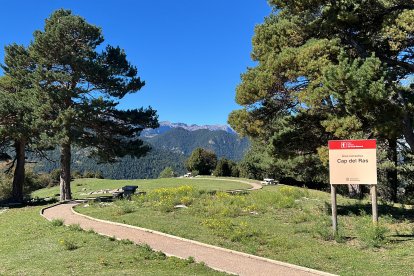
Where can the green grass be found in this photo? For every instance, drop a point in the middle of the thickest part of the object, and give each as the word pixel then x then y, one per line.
pixel 283 223
pixel 31 245
pixel 85 185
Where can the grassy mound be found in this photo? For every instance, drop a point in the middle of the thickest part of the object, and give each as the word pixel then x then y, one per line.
pixel 81 187
pixel 283 223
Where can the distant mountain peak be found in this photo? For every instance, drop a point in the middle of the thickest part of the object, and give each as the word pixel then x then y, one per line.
pixel 194 127
pixel 167 125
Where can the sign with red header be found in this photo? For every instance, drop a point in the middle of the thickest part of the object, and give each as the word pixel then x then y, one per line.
pixel 353 161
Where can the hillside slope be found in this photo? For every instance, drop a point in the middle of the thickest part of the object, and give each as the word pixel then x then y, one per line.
pixel 128 167
pixel 170 148
pixel 182 141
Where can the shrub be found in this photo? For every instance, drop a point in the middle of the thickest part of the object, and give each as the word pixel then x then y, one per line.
pixel 370 234
pixel 68 244
pixel 302 216
pixel 99 175
pixel 76 174
pixel 57 222
pixel 164 199
pixel 34 181
pixel 126 241
pixel 5 186
pixel 242 231
pixel 124 207
pixel 150 254
pixel 55 175
pixel 75 227
pixel 168 172
pixel 88 174
pixel 219 225
pixel 225 227
pixel 323 228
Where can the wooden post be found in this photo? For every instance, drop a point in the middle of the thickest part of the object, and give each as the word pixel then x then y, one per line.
pixel 334 210
pixel 374 203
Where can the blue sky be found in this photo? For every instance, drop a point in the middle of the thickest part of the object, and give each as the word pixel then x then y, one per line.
pixel 190 53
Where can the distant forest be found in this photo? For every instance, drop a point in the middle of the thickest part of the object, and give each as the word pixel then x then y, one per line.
pixel 169 149
pixel 127 167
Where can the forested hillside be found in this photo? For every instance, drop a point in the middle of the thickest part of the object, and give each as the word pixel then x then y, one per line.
pixel 128 167
pixel 169 149
pixel 182 141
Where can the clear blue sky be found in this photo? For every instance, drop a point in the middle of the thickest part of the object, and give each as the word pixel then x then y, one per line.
pixel 190 53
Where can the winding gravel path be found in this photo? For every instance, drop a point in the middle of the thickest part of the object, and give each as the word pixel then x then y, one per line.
pixel 215 257
pixel 255 185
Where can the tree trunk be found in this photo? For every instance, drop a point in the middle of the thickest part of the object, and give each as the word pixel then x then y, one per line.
pixel 65 158
pixel 407 123
pixel 408 130
pixel 355 191
pixel 392 175
pixel 19 172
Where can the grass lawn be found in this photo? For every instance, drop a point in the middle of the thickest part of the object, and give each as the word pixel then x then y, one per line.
pixel 31 245
pixel 82 186
pixel 283 223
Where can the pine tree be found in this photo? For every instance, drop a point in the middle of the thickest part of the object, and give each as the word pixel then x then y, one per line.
pixel 328 70
pixel 22 114
pixel 84 86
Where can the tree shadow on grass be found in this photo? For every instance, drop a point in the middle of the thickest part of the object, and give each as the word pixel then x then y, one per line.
pixel 398 213
pixel 32 202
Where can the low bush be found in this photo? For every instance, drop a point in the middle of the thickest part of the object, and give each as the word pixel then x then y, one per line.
pixel 370 234
pixel 68 244
pixel 224 227
pixel 124 207
pixel 57 222
pixel 149 254
pixel 5 186
pixel 75 227
pixel 164 199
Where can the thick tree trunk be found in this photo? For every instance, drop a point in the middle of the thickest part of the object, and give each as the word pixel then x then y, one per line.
pixel 392 175
pixel 19 171
pixel 65 158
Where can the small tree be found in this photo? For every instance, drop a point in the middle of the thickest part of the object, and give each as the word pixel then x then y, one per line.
pixel 226 167
pixel 168 172
pixel 202 161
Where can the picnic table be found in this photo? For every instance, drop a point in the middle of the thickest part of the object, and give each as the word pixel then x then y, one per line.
pixel 127 192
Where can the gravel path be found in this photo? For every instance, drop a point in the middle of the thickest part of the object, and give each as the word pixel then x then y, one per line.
pixel 217 258
pixel 255 185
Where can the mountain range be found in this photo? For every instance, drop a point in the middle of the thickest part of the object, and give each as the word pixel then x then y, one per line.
pixel 171 144
pixel 166 126
pixel 183 141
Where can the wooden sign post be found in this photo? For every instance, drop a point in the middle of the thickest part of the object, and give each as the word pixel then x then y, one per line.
pixel 353 162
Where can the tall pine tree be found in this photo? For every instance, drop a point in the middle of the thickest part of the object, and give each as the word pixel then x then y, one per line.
pixel 328 70
pixel 84 86
pixel 23 113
